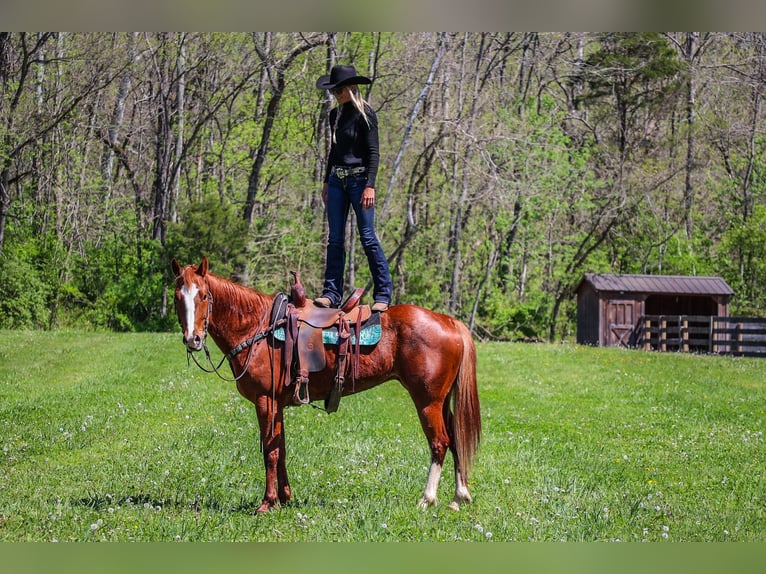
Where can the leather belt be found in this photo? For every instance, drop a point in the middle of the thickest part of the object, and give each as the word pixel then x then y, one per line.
pixel 344 172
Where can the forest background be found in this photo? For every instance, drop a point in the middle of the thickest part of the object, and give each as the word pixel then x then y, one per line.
pixel 511 164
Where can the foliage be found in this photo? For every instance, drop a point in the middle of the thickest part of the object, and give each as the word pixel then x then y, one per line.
pixel 113 437
pixel 743 247
pixel 635 72
pixel 209 227
pixel 23 293
pixel 504 319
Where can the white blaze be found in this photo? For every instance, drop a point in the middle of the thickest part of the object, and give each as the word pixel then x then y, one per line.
pixel 189 293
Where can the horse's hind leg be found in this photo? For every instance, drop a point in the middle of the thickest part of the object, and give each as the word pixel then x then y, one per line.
pixel 461 485
pixel 438 425
pixel 429 495
pixel 438 441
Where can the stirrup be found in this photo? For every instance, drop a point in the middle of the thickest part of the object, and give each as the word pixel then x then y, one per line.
pixel 379 307
pixel 301 393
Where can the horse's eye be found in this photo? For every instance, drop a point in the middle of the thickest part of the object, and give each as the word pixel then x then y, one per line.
pixel 203 296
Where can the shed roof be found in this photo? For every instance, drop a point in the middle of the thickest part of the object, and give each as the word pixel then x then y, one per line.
pixel 665 284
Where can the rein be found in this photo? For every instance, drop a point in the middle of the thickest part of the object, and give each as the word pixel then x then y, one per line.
pixel 249 342
pixel 216 368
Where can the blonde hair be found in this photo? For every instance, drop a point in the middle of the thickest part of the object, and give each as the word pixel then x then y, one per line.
pixel 359 103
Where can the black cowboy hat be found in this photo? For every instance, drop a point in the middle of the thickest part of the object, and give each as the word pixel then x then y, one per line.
pixel 341 76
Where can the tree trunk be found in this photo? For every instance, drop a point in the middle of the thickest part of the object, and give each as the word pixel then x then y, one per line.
pixel 440 50
pixel 181 114
pixel 462 204
pixel 690 49
pixel 5 192
pixel 118 113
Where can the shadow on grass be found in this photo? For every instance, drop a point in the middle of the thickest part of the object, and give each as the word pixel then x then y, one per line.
pixel 209 503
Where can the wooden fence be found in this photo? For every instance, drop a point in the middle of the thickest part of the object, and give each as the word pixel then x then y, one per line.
pixel 742 336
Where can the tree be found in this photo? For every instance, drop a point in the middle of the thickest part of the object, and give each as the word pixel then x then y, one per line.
pixel 276 67
pixel 637 74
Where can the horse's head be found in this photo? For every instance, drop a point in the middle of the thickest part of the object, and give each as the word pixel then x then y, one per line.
pixel 193 302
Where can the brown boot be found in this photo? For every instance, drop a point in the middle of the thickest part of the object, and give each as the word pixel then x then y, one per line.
pixel 379 307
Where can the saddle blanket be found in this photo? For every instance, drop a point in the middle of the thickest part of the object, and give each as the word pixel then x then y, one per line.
pixel 370 333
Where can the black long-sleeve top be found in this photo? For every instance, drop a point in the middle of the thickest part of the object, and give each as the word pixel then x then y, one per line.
pixel 356 142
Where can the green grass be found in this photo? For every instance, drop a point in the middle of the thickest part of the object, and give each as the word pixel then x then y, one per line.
pixel 113 437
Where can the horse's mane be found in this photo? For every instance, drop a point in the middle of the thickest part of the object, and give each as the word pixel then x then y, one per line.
pixel 236 295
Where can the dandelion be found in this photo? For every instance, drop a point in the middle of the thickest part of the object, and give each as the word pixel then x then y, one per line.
pixel 488 535
pixel 384 526
pixel 479 527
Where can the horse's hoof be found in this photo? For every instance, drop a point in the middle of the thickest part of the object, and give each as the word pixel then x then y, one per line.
pixel 454 505
pixel 264 507
pixel 426 502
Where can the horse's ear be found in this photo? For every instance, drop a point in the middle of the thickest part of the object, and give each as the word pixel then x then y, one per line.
pixel 202 269
pixel 176 267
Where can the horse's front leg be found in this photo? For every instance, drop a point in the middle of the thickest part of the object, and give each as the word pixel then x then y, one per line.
pixel 271 423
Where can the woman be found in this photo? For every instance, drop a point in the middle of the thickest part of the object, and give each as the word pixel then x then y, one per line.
pixel 349 181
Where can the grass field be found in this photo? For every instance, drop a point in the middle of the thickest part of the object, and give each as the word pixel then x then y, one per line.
pixel 113 437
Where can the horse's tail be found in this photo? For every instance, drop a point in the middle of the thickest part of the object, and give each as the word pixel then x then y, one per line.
pixel 465 396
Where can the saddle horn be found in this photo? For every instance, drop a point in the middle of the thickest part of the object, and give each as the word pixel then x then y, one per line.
pixel 297 291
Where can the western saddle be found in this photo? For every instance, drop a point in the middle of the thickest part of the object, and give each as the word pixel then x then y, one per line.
pixel 304 346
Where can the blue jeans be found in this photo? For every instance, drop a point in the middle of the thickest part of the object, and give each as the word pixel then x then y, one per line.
pixel 342 194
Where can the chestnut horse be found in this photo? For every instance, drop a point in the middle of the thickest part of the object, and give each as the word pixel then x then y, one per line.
pixel 432 356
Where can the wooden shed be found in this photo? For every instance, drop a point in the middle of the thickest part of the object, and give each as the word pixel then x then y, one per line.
pixel 609 307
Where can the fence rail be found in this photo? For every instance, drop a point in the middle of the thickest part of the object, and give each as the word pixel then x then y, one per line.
pixel 741 336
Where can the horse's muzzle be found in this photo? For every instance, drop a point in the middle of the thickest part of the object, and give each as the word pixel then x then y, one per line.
pixel 193 343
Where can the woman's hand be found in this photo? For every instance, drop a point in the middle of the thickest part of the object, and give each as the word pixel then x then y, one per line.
pixel 368 198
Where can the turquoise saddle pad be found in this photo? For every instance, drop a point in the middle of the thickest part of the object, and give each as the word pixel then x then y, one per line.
pixel 370 335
